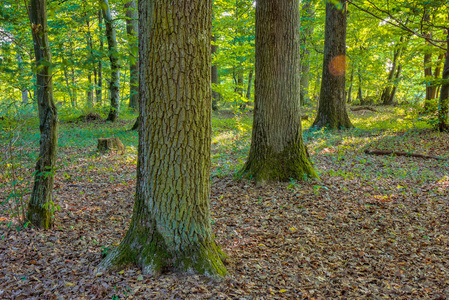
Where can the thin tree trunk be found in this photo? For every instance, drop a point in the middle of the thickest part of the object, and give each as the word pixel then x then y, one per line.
pixel 436 75
pixel 132 29
pixel 443 107
pixel 99 91
pixel 277 150
pixel 307 28
pixel 66 78
pixel 350 86
pixel 214 75
pixel 395 86
pixel 114 85
pixel 171 226
pixel 74 99
pixel 427 68
pixel 90 91
pixel 332 112
pixel 24 91
pixel 386 93
pixel 39 208
pixel 250 81
pixel 359 89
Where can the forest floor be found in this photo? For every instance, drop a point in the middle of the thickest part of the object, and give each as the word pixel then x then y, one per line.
pixel 374 227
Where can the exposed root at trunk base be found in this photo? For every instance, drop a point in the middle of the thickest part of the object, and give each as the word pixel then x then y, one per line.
pixel 292 163
pixel 154 257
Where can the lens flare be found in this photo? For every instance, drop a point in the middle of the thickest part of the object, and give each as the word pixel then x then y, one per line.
pixel 337 66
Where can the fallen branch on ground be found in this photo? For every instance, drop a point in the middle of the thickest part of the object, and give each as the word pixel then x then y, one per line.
pixel 398 153
pixel 363 108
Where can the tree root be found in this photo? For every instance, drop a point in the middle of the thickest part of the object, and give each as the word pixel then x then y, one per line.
pixel 398 153
pixel 363 108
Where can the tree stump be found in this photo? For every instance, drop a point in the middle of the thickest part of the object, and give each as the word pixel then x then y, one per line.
pixel 114 143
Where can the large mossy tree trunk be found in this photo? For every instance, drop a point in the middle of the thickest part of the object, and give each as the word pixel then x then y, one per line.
pixel 114 84
pixel 132 30
pixel 443 106
pixel 171 225
pixel 332 112
pixel 277 150
pixel 39 210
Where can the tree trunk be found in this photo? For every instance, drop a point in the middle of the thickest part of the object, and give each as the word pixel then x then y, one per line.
pixel 332 108
pixel 132 29
pixel 359 89
pixel 66 77
pixel 443 107
pixel 430 91
pixel 395 85
pixel 24 90
pixel 214 75
pixel 386 93
pixel 350 86
pixel 307 27
pixel 99 91
pixel 39 208
pixel 136 124
pixel 250 81
pixel 171 226
pixel 74 99
pixel 436 75
pixel 277 150
pixel 114 84
pixel 90 91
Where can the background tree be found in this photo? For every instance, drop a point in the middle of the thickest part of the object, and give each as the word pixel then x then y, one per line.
pixel 39 207
pixel 387 96
pixel 277 150
pixel 114 84
pixel 214 74
pixel 171 226
pixel 307 27
pixel 332 106
pixel 132 30
pixel 443 107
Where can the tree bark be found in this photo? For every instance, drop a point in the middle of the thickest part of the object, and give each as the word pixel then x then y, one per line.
pixel 132 29
pixel 443 107
pixel 114 85
pixel 277 150
pixel 170 227
pixel 39 208
pixel 332 107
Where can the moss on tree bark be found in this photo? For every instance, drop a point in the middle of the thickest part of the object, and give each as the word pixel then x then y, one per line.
pixel 171 226
pixel 39 210
pixel 277 150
